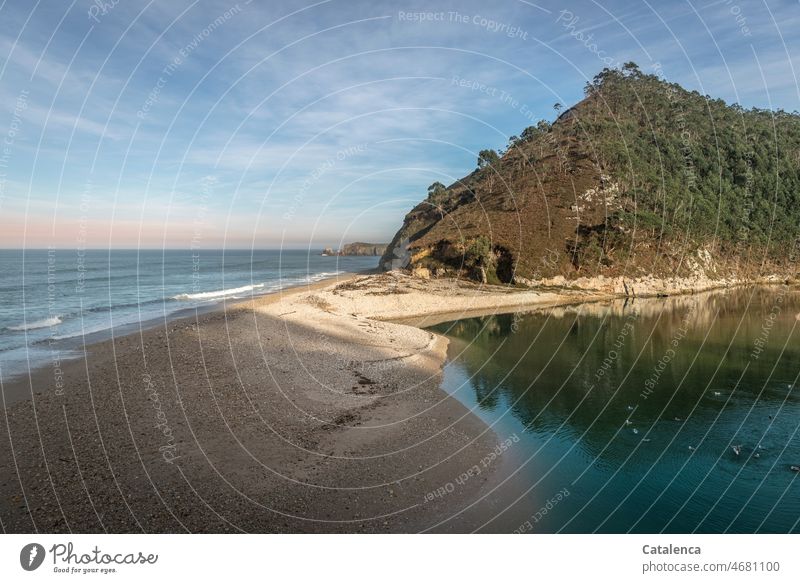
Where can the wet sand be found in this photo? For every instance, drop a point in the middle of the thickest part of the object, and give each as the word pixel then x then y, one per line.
pixel 302 411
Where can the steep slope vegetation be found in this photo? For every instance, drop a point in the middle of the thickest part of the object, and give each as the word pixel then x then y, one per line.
pixel 642 177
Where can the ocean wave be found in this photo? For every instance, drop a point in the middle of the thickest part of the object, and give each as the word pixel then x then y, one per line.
pixel 46 323
pixel 236 292
pixel 323 275
pixel 213 295
pixel 92 326
pixel 109 308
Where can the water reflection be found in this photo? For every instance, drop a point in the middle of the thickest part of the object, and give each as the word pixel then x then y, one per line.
pixel 641 406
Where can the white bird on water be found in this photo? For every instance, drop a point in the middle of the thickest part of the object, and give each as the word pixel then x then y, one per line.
pixel 630 407
pixel 635 431
pixel 795 468
pixel 737 449
pixel 691 448
pixel 628 422
pixel 717 393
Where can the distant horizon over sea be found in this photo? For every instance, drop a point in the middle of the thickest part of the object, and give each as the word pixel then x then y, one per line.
pixel 313 248
pixel 54 300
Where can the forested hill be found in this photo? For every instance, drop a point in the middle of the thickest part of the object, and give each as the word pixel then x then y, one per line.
pixel 641 177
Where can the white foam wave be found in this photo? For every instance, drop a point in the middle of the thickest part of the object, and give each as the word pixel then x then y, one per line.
pixel 323 275
pixel 46 323
pixel 212 295
pixel 236 292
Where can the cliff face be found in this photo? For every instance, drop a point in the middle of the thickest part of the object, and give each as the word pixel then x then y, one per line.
pixel 640 178
pixel 363 249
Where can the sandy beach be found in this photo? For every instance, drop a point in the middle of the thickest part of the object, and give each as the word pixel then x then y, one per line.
pixel 314 409
pixel 307 410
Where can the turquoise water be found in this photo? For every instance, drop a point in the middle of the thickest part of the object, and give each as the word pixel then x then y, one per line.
pixel 50 301
pixel 628 414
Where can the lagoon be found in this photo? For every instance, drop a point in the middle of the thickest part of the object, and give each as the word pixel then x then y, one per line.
pixel 672 415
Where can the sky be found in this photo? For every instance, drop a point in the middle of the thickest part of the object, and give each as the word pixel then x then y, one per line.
pixel 213 123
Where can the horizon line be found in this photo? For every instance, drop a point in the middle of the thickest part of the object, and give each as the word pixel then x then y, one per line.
pixel 320 247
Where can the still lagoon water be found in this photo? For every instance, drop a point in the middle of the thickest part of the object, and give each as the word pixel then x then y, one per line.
pixel 672 415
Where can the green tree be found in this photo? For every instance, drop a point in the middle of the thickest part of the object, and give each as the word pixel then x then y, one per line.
pixel 631 69
pixel 479 252
pixel 488 162
pixel 436 189
pixel 530 133
pixel 487 158
pixel 437 194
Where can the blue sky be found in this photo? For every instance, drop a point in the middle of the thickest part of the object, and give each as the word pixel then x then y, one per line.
pixel 216 123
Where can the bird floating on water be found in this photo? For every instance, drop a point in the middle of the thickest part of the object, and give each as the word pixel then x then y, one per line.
pixel 630 407
pixel 756 455
pixel 717 393
pixel 677 418
pixel 737 449
pixel 628 422
pixel 795 468
pixel 635 431
pixel 646 439
pixel 691 448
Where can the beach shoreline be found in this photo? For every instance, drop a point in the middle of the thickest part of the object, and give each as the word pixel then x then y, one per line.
pixel 74 347
pixel 311 409
pixel 175 413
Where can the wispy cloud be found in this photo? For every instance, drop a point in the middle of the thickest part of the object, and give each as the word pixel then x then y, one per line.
pixel 155 96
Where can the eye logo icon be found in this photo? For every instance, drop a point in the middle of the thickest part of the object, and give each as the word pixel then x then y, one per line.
pixel 31 556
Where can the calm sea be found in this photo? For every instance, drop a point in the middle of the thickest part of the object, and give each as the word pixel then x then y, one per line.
pixel 658 415
pixel 51 300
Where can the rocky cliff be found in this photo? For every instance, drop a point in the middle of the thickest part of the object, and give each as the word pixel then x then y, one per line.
pixel 363 249
pixel 640 179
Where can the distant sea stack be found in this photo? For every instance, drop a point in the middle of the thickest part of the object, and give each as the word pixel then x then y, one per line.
pixel 640 178
pixel 358 249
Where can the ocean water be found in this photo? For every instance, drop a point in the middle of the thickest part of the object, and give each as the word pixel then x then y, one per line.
pixel 671 415
pixel 51 301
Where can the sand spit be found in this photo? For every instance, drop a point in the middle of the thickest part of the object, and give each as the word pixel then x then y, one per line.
pixel 309 410
pixel 290 413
